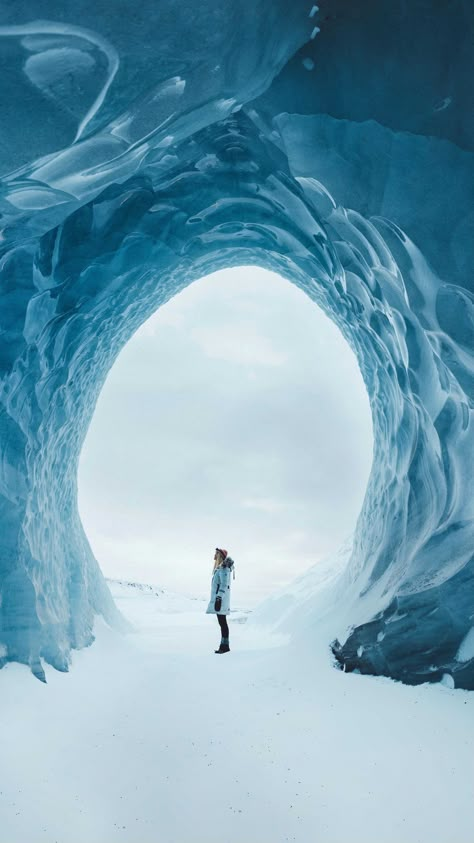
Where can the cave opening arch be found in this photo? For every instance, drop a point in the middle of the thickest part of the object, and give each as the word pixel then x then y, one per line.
pixel 229 199
pixel 237 411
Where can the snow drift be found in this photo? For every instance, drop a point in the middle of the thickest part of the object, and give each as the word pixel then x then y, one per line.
pixel 331 146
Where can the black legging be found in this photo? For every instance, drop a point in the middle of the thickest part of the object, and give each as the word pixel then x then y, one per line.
pixel 223 625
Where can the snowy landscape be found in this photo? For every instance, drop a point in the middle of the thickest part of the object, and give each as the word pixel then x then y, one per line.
pixel 144 148
pixel 152 738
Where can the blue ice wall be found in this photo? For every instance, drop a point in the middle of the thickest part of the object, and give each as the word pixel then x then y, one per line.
pixel 141 150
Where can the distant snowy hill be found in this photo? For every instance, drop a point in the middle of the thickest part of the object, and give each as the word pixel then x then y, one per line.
pixel 164 600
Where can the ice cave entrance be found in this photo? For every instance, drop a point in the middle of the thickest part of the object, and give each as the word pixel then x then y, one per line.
pixel 236 415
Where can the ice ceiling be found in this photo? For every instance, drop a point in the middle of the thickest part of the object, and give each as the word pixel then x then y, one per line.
pixel 145 145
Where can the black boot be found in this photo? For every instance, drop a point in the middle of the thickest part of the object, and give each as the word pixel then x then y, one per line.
pixel 224 646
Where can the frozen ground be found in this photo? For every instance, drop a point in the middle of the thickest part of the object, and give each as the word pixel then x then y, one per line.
pixel 152 738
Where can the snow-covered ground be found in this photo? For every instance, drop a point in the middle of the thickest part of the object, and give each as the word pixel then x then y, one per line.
pixel 152 738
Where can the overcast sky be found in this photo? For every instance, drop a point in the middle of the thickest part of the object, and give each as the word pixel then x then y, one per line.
pixel 235 417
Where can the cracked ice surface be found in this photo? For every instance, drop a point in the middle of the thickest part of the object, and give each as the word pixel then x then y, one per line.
pixel 136 159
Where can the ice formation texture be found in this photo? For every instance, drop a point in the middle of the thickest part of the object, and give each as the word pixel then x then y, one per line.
pixel 145 147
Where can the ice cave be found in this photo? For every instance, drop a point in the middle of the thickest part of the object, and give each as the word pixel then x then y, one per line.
pixel 143 150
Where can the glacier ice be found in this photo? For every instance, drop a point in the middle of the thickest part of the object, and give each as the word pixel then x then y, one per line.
pixel 142 151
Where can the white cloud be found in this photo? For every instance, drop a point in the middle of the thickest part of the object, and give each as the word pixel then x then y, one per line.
pixel 238 344
pixel 263 505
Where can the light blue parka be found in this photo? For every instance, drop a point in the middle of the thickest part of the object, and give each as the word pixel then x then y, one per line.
pixel 220 586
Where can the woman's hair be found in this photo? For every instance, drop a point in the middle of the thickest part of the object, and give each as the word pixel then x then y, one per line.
pixel 218 558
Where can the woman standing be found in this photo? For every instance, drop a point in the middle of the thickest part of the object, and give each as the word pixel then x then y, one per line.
pixel 219 603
